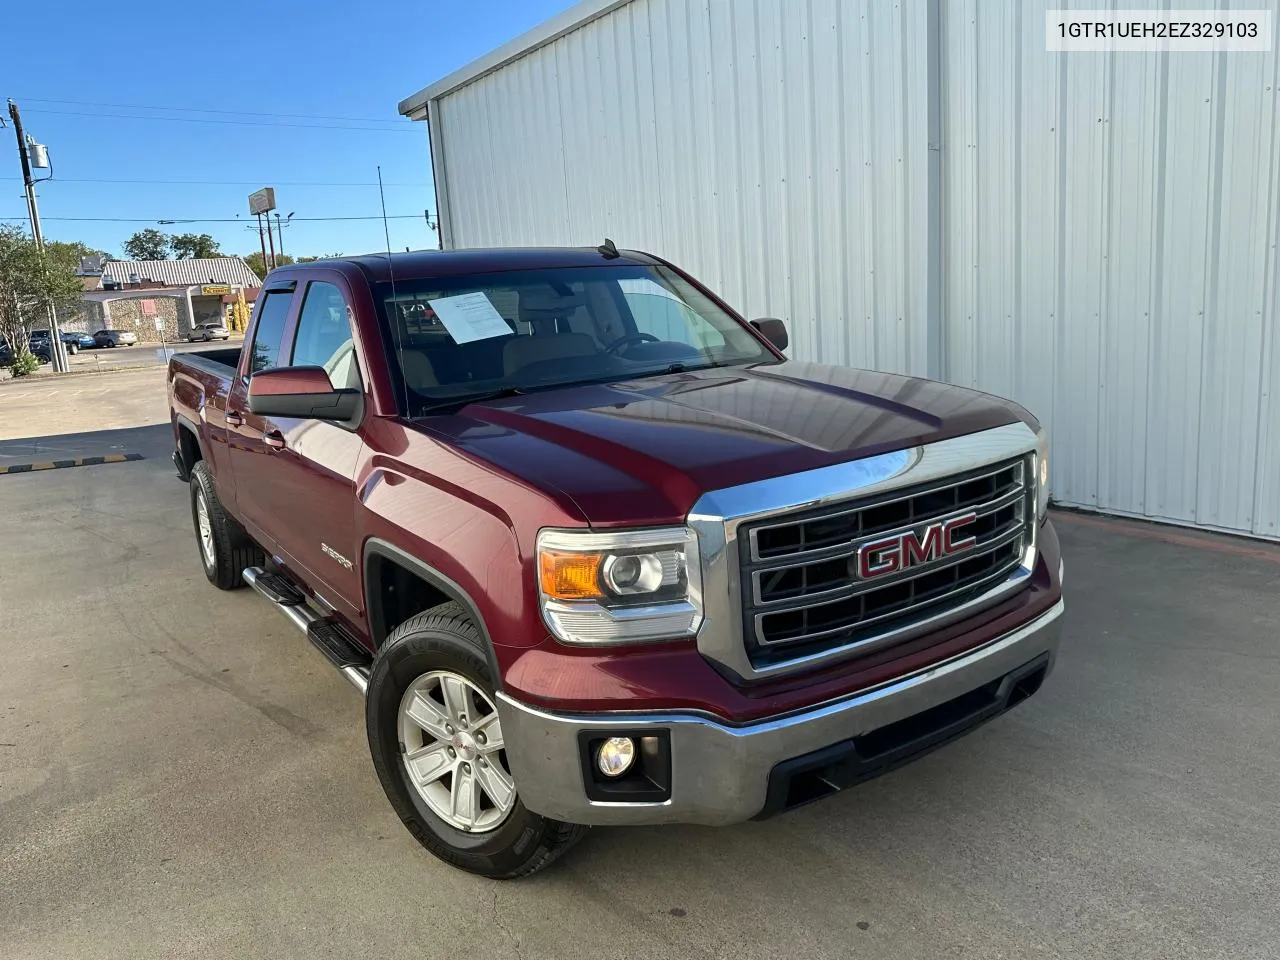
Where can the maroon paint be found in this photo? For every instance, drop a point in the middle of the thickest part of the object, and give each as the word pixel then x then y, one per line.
pixel 290 381
pixel 467 492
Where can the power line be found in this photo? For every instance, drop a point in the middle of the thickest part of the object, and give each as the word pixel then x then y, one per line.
pixel 168 221
pixel 234 113
pixel 237 123
pixel 238 183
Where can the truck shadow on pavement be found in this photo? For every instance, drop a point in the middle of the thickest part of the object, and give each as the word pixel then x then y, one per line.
pixel 153 441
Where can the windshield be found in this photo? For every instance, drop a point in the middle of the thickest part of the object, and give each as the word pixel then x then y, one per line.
pixel 468 336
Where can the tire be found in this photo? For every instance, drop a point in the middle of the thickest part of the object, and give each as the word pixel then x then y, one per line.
pixel 445 642
pixel 227 550
pixel 73 349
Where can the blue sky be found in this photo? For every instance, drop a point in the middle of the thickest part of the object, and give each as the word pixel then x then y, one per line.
pixel 321 58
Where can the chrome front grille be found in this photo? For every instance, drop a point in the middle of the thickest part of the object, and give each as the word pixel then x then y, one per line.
pixel 801 589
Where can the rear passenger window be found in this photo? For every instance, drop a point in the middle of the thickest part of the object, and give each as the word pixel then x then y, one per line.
pixel 324 336
pixel 270 331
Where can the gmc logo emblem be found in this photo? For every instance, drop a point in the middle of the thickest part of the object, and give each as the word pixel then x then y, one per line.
pixel 904 550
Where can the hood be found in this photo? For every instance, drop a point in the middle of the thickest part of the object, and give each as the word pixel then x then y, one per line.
pixel 643 451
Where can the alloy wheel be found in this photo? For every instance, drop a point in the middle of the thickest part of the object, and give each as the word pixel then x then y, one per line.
pixel 453 752
pixel 206 530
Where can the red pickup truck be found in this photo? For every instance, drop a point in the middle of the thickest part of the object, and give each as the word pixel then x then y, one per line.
pixel 596 552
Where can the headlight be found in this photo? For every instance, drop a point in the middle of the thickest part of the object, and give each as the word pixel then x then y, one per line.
pixel 1042 474
pixel 620 587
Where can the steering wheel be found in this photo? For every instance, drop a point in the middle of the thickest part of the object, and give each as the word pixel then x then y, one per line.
pixel 631 338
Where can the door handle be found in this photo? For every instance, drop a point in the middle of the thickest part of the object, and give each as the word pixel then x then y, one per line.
pixel 233 418
pixel 274 438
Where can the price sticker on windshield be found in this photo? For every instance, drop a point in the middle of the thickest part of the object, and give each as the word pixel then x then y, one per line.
pixel 470 316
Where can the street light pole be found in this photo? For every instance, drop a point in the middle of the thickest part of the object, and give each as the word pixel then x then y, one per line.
pixel 57 349
pixel 280 225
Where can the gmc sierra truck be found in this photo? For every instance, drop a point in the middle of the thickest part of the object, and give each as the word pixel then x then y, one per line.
pixel 596 552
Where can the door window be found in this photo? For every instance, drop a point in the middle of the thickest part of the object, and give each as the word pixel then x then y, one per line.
pixel 324 336
pixel 270 331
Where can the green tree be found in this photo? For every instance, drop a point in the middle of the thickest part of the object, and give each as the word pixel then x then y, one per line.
pixel 194 246
pixel 70 251
pixel 29 284
pixel 323 256
pixel 256 264
pixel 148 244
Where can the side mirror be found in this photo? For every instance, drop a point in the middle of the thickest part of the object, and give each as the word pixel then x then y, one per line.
pixel 304 392
pixel 774 330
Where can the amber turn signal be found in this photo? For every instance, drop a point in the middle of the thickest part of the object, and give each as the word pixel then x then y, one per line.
pixel 569 576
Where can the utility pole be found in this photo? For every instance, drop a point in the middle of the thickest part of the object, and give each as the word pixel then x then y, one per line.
pixel 57 349
pixel 262 242
pixel 271 241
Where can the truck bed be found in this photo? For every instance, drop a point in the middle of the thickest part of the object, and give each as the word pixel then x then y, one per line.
pixel 212 359
pixel 198 385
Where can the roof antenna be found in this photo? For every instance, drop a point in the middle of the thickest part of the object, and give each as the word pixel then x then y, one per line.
pixel 393 309
pixel 608 250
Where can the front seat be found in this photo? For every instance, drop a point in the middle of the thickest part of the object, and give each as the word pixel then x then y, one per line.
pixel 519 352
pixel 546 311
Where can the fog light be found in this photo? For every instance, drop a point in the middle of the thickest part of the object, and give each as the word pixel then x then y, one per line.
pixel 615 756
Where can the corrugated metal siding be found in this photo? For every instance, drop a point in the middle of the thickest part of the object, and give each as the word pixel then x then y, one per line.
pixel 1110 261
pixel 1109 223
pixel 738 138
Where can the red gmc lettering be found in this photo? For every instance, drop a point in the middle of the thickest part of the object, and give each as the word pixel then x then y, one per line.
pixel 916 550
pixel 903 550
pixel 949 542
pixel 879 557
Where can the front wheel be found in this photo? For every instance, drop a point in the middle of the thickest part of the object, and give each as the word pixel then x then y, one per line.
pixel 437 745
pixel 73 348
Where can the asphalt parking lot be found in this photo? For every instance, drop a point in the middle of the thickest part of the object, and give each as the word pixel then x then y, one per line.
pixel 182 776
pixel 130 358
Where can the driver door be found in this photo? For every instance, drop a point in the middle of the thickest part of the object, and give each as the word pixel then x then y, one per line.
pixel 312 470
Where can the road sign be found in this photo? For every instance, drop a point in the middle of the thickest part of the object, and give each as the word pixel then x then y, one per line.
pixel 262 201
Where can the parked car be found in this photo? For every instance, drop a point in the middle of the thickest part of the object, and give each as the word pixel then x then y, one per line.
pixel 602 554
pixel 207 332
pixel 74 341
pixel 40 349
pixel 115 338
pixel 79 340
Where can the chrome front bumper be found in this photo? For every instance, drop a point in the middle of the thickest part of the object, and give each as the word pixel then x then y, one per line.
pixel 719 773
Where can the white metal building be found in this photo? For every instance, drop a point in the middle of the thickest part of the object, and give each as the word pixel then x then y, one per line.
pixel 921 187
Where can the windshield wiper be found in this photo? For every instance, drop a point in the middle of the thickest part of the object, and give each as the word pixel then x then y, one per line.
pixel 681 367
pixel 440 403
